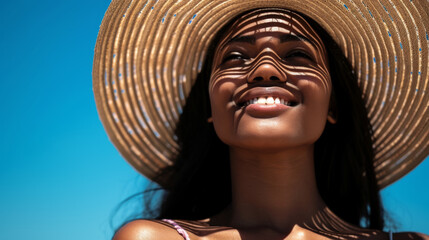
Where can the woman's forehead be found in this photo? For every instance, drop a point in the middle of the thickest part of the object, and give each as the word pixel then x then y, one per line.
pixel 261 15
pixel 260 22
pixel 270 21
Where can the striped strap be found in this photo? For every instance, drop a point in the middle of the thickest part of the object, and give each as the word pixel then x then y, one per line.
pixel 179 229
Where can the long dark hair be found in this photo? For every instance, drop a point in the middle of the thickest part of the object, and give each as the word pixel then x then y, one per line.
pixel 198 185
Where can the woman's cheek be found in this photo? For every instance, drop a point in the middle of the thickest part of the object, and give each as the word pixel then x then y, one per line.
pixel 316 102
pixel 222 112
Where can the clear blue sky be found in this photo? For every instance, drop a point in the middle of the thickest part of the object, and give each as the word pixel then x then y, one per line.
pixel 60 177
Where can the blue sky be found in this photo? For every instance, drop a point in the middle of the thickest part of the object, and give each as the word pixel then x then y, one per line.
pixel 60 177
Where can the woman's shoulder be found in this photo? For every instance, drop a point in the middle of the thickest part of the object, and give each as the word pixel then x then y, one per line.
pixel 157 229
pixel 146 229
pixel 173 229
pixel 410 235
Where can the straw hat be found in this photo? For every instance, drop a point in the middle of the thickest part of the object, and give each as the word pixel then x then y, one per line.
pixel 148 54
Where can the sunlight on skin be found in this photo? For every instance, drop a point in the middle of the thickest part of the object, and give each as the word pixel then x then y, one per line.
pixel 293 54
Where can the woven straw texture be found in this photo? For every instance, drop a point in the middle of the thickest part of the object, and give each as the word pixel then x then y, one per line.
pixel 148 54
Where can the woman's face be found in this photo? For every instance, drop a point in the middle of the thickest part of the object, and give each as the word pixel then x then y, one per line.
pixel 270 85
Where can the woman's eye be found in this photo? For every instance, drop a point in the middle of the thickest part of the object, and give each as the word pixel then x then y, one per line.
pixel 233 56
pixel 299 54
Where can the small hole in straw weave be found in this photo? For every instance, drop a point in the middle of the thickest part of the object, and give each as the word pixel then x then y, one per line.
pixel 182 97
pixel 146 117
pixel 130 131
pixel 142 123
pixel 179 108
pixel 105 78
pixel 200 65
pixel 115 117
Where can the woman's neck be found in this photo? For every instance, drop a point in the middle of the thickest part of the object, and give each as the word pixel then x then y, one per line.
pixel 272 190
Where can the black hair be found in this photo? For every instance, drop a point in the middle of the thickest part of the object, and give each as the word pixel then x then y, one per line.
pixel 198 184
pixel 344 154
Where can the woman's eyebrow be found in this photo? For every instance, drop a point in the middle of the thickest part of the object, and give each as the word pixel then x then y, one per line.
pixel 294 37
pixel 283 38
pixel 247 39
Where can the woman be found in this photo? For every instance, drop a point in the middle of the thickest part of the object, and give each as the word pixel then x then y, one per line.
pixel 291 156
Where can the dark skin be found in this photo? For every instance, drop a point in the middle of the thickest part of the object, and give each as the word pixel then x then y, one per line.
pixel 269 92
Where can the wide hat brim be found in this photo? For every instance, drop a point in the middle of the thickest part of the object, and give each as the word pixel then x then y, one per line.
pixel 148 54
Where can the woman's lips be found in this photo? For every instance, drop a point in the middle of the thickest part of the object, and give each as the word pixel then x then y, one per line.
pixel 266 92
pixel 264 102
pixel 265 110
pixel 269 101
pixel 267 96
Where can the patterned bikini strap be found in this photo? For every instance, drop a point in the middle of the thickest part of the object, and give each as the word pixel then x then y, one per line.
pixel 185 235
pixel 179 229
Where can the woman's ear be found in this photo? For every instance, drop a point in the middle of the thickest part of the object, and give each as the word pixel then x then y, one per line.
pixel 331 118
pixel 332 113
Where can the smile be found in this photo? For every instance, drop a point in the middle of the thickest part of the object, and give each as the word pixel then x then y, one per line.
pixel 268 97
pixel 269 101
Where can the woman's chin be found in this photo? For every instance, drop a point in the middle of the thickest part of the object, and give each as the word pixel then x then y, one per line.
pixel 271 144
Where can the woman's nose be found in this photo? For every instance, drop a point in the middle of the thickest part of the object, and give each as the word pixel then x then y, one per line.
pixel 266 71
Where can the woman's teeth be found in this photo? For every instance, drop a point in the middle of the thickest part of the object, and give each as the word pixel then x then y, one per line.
pixel 268 101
